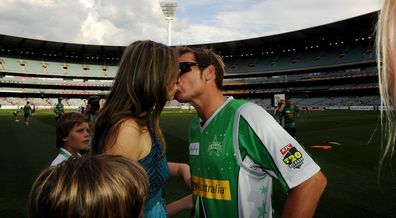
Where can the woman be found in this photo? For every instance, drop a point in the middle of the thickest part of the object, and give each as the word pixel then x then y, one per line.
pixel 128 123
pixel 386 59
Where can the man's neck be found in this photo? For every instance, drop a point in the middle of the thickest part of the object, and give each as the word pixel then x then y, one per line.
pixel 209 105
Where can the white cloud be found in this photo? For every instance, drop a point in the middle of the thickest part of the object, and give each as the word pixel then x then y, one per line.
pixel 44 3
pixel 88 3
pixel 119 22
pixel 269 17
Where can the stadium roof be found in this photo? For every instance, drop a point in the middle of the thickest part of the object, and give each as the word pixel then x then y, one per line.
pixel 349 29
pixel 346 30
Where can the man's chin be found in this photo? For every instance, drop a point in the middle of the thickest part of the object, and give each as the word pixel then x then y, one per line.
pixel 180 99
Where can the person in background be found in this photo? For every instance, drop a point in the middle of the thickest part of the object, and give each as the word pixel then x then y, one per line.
pixel 100 186
pixel 72 136
pixel 386 60
pixel 27 113
pixel 290 113
pixel 93 106
pixel 59 109
pixel 278 113
pixel 236 149
pixel 128 122
pixel 16 112
pixel 80 110
pixel 33 109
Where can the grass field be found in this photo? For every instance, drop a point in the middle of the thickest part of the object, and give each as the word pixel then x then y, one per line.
pixel 351 168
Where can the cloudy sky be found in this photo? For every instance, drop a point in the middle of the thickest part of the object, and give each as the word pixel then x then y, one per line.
pixel 119 22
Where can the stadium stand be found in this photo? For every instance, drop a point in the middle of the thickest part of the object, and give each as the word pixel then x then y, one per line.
pixel 328 65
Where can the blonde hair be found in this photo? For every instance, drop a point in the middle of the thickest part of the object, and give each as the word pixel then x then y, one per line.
pixel 386 60
pixel 99 186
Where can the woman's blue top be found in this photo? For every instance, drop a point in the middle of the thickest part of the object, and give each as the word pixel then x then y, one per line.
pixel 156 166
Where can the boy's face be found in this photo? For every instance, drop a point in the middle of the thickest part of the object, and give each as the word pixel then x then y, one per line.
pixel 78 138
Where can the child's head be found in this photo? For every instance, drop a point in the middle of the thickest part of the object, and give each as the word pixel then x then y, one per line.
pixel 90 186
pixel 72 132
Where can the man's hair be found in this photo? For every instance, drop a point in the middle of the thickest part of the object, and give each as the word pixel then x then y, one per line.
pixel 65 124
pixel 206 57
pixel 146 73
pixel 92 186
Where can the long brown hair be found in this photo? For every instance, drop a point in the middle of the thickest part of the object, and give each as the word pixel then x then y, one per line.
pixel 147 71
pixel 99 186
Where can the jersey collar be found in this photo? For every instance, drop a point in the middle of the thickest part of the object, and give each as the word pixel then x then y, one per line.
pixel 229 98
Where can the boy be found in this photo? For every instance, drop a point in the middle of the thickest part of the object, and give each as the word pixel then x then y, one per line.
pixel 72 136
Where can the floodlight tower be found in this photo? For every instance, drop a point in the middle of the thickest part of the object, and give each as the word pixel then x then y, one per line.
pixel 169 10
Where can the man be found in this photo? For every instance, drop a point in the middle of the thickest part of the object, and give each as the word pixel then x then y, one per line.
pixel 290 113
pixel 59 109
pixel 278 113
pixel 234 158
pixel 93 107
pixel 27 112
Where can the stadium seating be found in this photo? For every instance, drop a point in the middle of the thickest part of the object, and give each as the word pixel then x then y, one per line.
pixel 322 64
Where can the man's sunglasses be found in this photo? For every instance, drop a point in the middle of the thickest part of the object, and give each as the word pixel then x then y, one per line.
pixel 185 67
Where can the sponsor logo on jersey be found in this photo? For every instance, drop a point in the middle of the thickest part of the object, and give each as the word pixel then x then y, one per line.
pixel 210 188
pixel 292 157
pixel 286 148
pixel 214 147
pixel 194 148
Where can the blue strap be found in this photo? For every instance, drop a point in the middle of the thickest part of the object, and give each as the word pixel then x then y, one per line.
pixel 153 201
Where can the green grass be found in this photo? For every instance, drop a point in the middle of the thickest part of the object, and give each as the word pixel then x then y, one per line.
pixel 351 168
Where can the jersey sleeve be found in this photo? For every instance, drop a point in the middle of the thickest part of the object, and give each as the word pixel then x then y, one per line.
pixel 291 162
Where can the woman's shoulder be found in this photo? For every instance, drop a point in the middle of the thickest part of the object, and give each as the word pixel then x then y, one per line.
pixel 129 140
pixel 131 126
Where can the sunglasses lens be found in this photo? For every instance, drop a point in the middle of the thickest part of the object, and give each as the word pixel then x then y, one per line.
pixel 184 68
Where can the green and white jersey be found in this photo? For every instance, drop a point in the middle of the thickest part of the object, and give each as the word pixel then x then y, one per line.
pixel 290 116
pixel 59 109
pixel 229 182
pixel 27 109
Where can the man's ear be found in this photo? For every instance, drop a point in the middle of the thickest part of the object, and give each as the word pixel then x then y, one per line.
pixel 211 73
